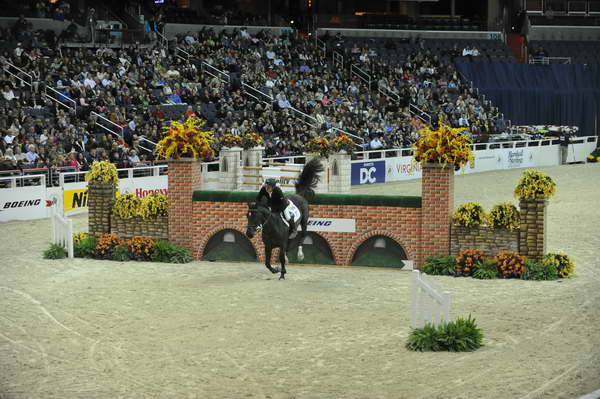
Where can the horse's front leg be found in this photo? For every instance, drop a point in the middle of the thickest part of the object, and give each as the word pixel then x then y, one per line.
pixel 283 261
pixel 268 252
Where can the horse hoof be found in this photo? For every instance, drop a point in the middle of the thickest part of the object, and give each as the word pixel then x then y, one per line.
pixel 275 270
pixel 281 277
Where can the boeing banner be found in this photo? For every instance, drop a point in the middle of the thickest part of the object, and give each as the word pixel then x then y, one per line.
pixel 368 172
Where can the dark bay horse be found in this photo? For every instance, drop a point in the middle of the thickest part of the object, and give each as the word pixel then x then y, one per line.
pixel 275 232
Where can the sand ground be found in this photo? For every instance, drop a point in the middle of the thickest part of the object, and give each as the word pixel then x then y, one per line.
pixel 99 329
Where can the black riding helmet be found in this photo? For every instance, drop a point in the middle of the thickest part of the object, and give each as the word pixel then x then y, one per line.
pixel 271 181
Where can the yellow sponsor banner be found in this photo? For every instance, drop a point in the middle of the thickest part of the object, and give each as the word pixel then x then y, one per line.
pixel 75 200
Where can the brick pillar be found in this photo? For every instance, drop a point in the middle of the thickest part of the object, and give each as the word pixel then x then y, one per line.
pixel 185 176
pixel 532 233
pixel 101 198
pixel 340 170
pixel 437 206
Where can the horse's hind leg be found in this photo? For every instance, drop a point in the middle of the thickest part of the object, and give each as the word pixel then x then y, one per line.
pixel 283 261
pixel 301 238
pixel 268 252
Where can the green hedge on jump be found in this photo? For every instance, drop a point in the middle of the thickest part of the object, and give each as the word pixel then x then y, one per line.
pixel 324 199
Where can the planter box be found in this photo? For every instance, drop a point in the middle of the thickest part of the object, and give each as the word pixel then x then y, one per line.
pixel 489 240
pixel 156 228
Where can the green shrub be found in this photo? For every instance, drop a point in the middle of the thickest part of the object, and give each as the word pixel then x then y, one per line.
pixel 440 265
pixel 121 254
pixel 166 252
pixel 487 270
pixel 539 271
pixel 55 251
pixel 181 255
pixel 85 247
pixel 456 336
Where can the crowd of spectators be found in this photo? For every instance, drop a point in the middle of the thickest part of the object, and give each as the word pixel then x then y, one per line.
pixel 127 90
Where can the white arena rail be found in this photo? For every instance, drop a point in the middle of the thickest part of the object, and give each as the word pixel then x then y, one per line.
pixel 430 304
pixel 62 230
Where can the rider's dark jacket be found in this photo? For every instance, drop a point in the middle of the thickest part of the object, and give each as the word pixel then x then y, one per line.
pixel 276 201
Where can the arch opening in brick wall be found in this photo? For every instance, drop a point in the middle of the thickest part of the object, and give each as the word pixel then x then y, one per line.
pixel 379 251
pixel 229 245
pixel 316 250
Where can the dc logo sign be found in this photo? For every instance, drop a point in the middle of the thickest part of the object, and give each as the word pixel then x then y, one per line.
pixel 368 172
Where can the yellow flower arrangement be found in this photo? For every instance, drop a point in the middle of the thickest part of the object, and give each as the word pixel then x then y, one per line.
pixel 230 140
pixel 504 215
pixel 127 206
pixel 534 184
pixel 186 140
pixel 469 214
pixel 444 145
pixel 153 205
pixel 563 264
pixel 319 145
pixel 78 237
pixel 102 172
pixel 343 142
pixel 251 140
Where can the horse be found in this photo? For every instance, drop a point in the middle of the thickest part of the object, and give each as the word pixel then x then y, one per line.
pixel 275 232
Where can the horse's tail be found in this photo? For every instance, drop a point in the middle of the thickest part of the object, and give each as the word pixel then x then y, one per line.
pixel 308 179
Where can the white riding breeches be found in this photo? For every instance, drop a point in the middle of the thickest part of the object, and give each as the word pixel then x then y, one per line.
pixel 291 212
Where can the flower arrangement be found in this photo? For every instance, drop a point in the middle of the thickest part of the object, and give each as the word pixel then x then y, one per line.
pixel 127 206
pixel 106 244
pixel 504 215
pixel 153 205
pixel 79 237
pixel 186 140
pixel 230 140
pixel 510 264
pixel 319 145
pixel 469 214
pixel 343 143
pixel 594 156
pixel 467 260
pixel 141 248
pixel 102 172
pixel 251 140
pixel 534 184
pixel 563 264
pixel 444 145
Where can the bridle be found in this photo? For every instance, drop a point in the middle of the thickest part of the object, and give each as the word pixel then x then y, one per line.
pixel 258 227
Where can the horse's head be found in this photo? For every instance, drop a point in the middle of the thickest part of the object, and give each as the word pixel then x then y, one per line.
pixel 257 216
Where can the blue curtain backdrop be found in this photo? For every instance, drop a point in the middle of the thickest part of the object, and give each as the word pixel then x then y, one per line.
pixel 540 94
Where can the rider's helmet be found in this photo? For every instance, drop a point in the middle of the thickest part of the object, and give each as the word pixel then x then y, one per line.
pixel 271 181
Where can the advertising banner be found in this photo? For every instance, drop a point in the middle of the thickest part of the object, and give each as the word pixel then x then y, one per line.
pixel 284 175
pixel 405 168
pixel 368 172
pixel 75 195
pixel 332 225
pixel 23 203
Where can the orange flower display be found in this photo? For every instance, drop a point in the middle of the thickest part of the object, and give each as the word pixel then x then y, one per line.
pixel 510 264
pixel 467 260
pixel 343 142
pixel 444 145
pixel 320 145
pixel 251 140
pixel 186 140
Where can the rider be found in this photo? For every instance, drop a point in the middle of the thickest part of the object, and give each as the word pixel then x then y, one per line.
pixel 278 203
